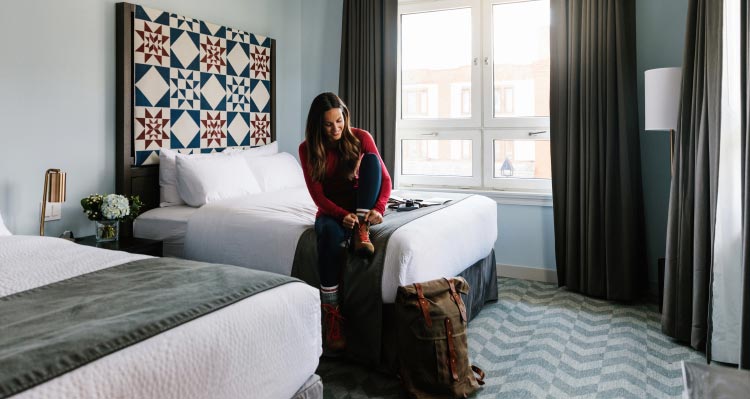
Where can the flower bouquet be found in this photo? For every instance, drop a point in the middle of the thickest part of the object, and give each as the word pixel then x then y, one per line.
pixel 108 210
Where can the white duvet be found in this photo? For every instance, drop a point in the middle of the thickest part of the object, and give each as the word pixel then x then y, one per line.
pixel 261 231
pixel 265 346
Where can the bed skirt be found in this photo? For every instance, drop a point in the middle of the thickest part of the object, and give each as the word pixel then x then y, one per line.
pixel 311 389
pixel 482 279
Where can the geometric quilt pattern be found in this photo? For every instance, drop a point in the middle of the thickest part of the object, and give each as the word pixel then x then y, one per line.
pixel 238 94
pixel 184 89
pixel 198 87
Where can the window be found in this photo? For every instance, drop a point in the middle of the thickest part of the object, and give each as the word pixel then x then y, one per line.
pixel 474 116
pixel 436 52
pixel 417 101
pixel 466 101
pixel 437 157
pixel 521 65
pixel 503 100
pixel 526 159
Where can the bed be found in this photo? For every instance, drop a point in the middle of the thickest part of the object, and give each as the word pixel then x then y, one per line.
pixel 266 345
pixel 268 226
pixel 169 225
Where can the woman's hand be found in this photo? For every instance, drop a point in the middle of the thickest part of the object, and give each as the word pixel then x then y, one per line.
pixel 349 221
pixel 374 217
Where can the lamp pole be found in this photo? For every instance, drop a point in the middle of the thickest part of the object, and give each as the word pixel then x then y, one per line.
pixel 671 152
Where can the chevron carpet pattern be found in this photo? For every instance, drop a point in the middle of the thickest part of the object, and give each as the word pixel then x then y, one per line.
pixel 540 341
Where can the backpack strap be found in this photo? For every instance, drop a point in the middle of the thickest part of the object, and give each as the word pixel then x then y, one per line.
pixel 451 349
pixel 423 305
pixel 479 373
pixel 457 299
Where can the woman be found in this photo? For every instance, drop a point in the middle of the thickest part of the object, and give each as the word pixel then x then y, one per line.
pixel 350 185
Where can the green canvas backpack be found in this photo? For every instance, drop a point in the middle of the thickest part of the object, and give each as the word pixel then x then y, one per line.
pixel 432 346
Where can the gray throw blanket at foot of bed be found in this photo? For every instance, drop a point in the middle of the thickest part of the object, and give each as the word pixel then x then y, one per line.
pixel 50 330
pixel 361 282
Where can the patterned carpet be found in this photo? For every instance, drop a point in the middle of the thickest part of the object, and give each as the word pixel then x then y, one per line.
pixel 540 341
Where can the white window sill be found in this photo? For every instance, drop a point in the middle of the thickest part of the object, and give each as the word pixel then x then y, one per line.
pixel 504 197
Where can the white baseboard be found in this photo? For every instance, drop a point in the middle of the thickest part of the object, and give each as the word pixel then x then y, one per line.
pixel 527 273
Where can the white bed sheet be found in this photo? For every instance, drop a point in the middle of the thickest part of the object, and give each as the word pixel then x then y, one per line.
pixel 266 346
pixel 167 224
pixel 261 232
pixel 440 244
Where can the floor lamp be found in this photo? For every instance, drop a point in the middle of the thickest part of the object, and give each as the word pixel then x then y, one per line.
pixel 662 87
pixel 54 191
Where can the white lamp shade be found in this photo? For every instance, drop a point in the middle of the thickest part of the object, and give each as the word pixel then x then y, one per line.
pixel 662 98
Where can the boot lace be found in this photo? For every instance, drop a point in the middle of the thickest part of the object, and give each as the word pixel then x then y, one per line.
pixel 364 233
pixel 333 320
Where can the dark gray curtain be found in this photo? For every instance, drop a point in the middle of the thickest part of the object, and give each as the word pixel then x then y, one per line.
pixel 692 197
pixel 367 78
pixel 596 164
pixel 745 264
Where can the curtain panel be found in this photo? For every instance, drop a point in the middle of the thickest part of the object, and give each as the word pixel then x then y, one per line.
pixel 367 77
pixel 693 191
pixel 595 148
pixel 744 357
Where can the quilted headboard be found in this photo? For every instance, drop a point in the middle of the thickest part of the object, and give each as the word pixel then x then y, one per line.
pixel 188 85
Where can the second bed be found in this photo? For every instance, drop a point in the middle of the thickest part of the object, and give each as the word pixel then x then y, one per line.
pixel 261 232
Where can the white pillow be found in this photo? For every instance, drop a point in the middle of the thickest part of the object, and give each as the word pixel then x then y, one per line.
pixel 262 151
pixel 169 196
pixel 4 230
pixel 201 180
pixel 277 172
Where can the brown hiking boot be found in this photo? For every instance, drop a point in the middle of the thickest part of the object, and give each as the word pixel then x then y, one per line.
pixel 361 235
pixel 333 329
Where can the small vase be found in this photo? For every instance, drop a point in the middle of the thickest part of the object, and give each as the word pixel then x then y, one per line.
pixel 107 230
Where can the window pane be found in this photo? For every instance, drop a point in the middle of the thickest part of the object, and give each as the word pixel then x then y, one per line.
pixel 520 37
pixel 436 157
pixel 522 159
pixel 436 64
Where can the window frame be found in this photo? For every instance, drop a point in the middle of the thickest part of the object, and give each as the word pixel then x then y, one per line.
pixel 475 180
pixel 488 78
pixel 483 127
pixel 488 166
pixel 421 6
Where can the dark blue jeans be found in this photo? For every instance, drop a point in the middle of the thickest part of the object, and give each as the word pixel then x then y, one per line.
pixel 331 233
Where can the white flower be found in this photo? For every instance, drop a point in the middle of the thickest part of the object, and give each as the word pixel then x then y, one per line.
pixel 115 207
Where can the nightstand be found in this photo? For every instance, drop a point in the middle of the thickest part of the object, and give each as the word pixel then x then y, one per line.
pixel 128 244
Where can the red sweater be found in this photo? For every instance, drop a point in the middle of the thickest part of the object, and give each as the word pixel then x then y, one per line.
pixel 336 195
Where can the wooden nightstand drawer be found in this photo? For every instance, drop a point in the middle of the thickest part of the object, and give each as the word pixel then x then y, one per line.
pixel 130 244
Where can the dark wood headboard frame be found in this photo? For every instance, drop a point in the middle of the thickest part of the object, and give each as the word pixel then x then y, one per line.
pixel 144 180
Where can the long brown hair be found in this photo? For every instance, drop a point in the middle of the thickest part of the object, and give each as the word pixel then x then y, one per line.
pixel 348 145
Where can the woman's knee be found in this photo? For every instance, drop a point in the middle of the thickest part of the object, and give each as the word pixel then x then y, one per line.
pixel 370 160
pixel 329 230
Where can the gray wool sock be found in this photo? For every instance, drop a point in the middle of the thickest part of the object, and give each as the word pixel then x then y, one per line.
pixel 329 295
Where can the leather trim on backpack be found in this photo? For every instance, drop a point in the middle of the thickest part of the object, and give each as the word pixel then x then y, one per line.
pixel 423 305
pixel 451 349
pixel 457 299
pixel 479 373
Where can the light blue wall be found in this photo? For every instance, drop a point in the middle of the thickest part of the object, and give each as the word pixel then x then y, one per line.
pixel 660 29
pixel 525 236
pixel 57 89
pixel 321 50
